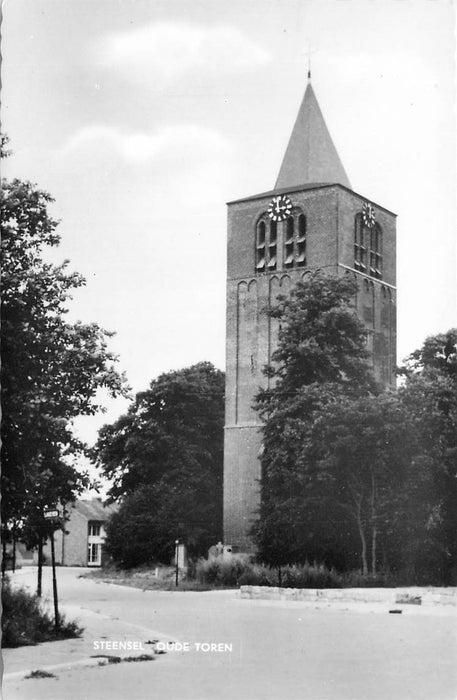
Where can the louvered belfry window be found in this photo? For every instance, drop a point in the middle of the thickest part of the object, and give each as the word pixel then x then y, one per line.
pixel 261 251
pixel 360 251
pixel 266 245
pixel 376 252
pixel 367 248
pixel 295 241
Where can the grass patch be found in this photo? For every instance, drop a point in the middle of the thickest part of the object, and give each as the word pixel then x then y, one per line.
pixel 40 674
pixel 141 657
pixel 146 579
pixel 109 659
pixel 26 622
pixel 106 659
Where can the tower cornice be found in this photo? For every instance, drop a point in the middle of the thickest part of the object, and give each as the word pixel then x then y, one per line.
pixel 307 188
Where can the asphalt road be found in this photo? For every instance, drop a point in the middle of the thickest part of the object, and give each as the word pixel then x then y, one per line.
pixel 262 650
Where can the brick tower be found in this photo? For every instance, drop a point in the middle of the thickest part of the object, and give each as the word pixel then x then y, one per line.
pixel 311 219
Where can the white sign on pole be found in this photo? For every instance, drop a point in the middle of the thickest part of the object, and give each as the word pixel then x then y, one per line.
pixel 51 514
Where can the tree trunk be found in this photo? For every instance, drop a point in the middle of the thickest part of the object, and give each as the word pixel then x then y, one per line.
pixel 3 558
pixel 40 566
pixel 279 577
pixel 374 530
pixel 363 541
pixel 373 549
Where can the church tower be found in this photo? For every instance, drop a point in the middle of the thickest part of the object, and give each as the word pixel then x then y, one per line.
pixel 312 219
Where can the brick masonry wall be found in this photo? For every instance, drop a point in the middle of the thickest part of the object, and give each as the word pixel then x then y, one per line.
pixel 252 336
pixel 75 547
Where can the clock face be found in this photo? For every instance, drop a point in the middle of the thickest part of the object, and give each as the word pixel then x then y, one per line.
pixel 368 215
pixel 280 208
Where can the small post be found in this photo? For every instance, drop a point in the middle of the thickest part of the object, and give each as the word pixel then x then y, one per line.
pixel 176 563
pixel 14 552
pixel 54 585
pixel 3 558
pixel 40 566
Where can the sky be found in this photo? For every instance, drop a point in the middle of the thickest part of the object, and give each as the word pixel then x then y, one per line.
pixel 143 118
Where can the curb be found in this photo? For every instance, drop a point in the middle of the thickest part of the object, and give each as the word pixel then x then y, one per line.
pixel 425 597
pixel 53 667
pixel 89 661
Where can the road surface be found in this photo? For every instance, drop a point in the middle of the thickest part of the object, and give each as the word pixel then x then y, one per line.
pixel 219 646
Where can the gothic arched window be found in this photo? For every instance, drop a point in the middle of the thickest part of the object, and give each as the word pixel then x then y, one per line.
pixel 295 241
pixel 360 251
pixel 260 247
pixel 301 241
pixel 376 251
pixel 266 245
pixel 367 248
pixel 289 243
pixel 273 246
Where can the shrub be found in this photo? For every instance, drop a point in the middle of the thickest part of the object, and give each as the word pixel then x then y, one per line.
pixel 240 570
pixel 25 622
pixel 355 579
pixel 259 575
pixel 310 576
pixel 223 571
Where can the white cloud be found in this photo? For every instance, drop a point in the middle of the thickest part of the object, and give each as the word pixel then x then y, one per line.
pixel 182 140
pixel 165 51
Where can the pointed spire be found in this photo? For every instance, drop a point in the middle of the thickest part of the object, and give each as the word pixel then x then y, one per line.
pixel 311 156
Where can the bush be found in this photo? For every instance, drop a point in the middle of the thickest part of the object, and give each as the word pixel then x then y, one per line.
pixel 25 622
pixel 259 575
pixel 310 576
pixel 223 571
pixel 240 570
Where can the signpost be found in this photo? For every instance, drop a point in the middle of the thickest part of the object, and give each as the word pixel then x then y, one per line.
pixel 51 515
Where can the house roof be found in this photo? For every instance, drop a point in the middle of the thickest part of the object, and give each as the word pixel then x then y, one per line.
pixel 94 509
pixel 311 156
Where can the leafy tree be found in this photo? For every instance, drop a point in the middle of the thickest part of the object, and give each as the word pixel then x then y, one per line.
pixel 366 450
pixel 321 356
pixel 164 458
pixel 430 395
pixel 52 370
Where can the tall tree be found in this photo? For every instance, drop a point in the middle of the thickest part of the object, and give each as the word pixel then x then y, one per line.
pixel 321 355
pixel 365 447
pixel 430 395
pixel 164 458
pixel 52 370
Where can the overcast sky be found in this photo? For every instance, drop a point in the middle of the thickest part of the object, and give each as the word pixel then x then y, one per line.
pixel 142 118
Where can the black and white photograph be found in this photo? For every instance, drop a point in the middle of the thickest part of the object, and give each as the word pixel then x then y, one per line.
pixel 229 350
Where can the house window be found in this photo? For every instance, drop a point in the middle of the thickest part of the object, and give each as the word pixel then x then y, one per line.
pixel 367 248
pixel 94 552
pixel 266 246
pixel 295 241
pixel 94 529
